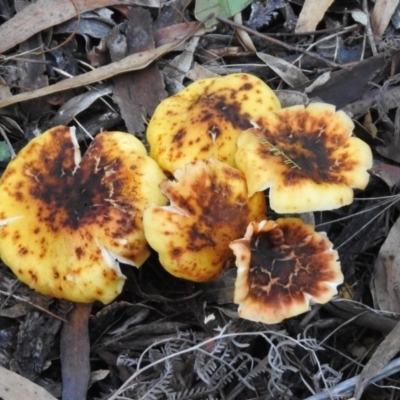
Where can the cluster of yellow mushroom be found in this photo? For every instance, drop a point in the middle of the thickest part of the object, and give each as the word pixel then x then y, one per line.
pixel 306 156
pixel 222 141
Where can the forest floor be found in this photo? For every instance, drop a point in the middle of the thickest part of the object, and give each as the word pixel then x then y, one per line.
pixel 64 63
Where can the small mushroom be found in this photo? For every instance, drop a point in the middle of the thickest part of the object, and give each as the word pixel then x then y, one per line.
pixel 306 156
pixel 209 207
pixel 283 266
pixel 205 119
pixel 66 220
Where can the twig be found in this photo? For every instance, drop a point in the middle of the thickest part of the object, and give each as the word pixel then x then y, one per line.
pixel 325 38
pixel 347 387
pixel 134 62
pixel 280 43
pixel 368 28
pixel 314 33
pixel 32 304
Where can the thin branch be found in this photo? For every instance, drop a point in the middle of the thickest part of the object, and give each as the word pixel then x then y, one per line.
pixel 368 29
pixel 280 43
pixel 32 304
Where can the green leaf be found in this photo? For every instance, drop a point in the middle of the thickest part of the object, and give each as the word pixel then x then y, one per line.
pixel 4 152
pixel 207 11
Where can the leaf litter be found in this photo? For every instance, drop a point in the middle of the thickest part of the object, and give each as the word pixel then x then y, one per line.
pixel 106 65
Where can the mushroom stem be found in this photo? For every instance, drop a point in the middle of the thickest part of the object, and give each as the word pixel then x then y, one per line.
pixel 75 350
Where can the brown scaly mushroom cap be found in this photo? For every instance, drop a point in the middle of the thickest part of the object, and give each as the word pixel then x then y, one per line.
pixel 205 119
pixel 209 208
pixel 306 156
pixel 65 220
pixel 283 266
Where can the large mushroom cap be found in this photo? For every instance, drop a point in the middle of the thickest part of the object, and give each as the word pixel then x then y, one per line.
pixel 65 220
pixel 205 119
pixel 306 156
pixel 209 208
pixel 283 265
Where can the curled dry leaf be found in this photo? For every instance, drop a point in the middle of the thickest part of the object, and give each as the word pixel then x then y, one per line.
pixel 205 119
pixel 283 266
pixel 306 156
pixel 209 208
pixel 65 220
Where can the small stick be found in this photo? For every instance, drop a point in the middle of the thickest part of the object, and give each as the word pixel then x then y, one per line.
pixel 33 305
pixel 280 43
pixel 368 28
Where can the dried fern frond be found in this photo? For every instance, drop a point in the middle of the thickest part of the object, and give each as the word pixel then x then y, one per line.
pixel 185 367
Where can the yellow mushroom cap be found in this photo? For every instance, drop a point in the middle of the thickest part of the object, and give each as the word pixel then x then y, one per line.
pixel 283 265
pixel 306 156
pixel 65 220
pixel 209 207
pixel 205 119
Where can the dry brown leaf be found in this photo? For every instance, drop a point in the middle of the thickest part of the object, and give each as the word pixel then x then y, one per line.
pixel 18 310
pixel 390 174
pixel 32 75
pixel 4 89
pixel 358 108
pixel 383 354
pixel 386 279
pixel 69 110
pixel 173 13
pixel 288 72
pixel 369 125
pixel 381 14
pixel 131 63
pixel 243 36
pixel 14 386
pixel 311 14
pixel 348 85
pixel 137 93
pixel 98 375
pixel 321 80
pixel 198 72
pixel 177 68
pixel 289 98
pixel 44 14
pixel 174 32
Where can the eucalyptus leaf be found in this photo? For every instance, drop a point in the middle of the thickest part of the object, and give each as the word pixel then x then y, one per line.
pixel 207 11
